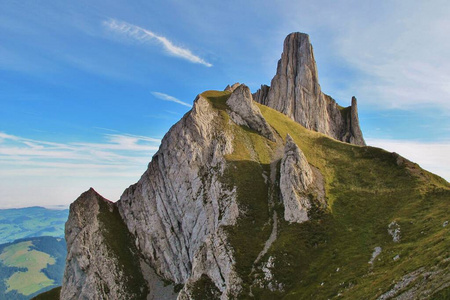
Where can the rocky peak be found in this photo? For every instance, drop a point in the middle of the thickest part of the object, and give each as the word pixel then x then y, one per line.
pixel 231 88
pixel 244 112
pixel 295 91
pixel 101 258
pixel 354 123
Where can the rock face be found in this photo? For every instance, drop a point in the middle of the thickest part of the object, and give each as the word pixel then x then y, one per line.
pixel 243 111
pixel 295 91
pixel 100 263
pixel 179 207
pixel 297 184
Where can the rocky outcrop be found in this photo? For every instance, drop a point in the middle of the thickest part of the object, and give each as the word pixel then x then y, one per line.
pixel 298 184
pixel 260 95
pixel 244 112
pixel 179 207
pixel 295 91
pixel 231 88
pixel 353 133
pixel 102 261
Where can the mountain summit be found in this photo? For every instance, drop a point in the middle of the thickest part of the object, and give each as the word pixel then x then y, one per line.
pixel 295 91
pixel 248 200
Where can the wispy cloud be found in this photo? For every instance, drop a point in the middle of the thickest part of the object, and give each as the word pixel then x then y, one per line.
pixel 42 172
pixel 432 156
pixel 117 150
pixel 144 35
pixel 166 97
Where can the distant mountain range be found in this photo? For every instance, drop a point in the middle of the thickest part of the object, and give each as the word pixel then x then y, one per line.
pixel 28 222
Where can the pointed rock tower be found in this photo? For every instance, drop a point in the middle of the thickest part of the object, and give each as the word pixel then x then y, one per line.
pixel 295 91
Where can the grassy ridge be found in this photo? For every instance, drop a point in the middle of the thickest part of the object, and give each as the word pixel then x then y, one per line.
pixel 366 188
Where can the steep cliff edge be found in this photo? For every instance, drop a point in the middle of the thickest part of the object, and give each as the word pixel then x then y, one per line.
pixel 179 208
pixel 295 91
pixel 241 201
pixel 102 260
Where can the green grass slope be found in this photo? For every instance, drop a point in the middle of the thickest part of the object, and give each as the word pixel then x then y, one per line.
pixel 27 222
pixel 328 257
pixel 30 266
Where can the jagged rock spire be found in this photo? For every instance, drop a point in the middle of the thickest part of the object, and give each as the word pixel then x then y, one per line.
pixel 295 91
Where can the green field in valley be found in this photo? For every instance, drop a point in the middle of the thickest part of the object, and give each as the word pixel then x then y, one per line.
pixel 20 255
pixel 31 266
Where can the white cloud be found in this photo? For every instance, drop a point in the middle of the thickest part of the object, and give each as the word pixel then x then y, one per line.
pixel 39 172
pixel 166 97
pixel 18 153
pixel 144 35
pixel 431 156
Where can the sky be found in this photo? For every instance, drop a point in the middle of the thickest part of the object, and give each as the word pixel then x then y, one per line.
pixel 88 88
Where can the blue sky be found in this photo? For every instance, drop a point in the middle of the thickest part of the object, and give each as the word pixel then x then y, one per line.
pixel 89 88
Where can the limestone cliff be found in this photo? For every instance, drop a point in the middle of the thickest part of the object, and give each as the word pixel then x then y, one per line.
pixel 179 208
pixel 101 261
pixel 295 91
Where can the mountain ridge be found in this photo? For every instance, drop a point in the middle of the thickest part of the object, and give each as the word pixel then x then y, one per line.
pixel 241 201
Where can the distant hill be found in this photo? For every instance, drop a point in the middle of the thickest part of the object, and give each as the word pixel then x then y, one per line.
pixel 31 266
pixel 28 222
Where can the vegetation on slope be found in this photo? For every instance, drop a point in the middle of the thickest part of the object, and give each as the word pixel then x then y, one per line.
pixel 366 188
pixel 121 245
